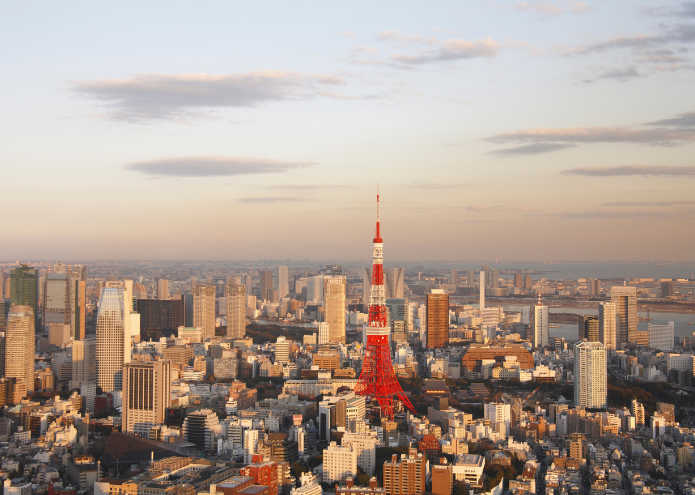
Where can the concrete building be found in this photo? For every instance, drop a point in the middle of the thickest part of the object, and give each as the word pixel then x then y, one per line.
pixel 365 446
pixel 324 333
pixel 406 476
pixel 282 350
pixel 334 303
pixel 113 335
pixel 236 311
pixel 366 289
pixel 500 415
pixel 590 375
pixel 204 308
pixel 394 283
pixel 339 463
pixel 606 325
pixel 146 395
pixel 442 477
pixel 469 468
pixel 84 362
pixel 200 428
pixel 266 284
pixel 24 289
pixel 282 281
pixel 162 289
pixel 454 279
pixel 437 319
pixel 625 300
pixel 539 325
pixel 20 345
pixel 661 337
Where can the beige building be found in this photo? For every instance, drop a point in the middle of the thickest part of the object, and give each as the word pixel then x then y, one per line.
pixel 236 311
pixel 20 345
pixel 334 303
pixel 146 395
pixel 113 334
pixel 437 319
pixel 204 308
pixel 625 300
pixel 407 476
pixel 84 364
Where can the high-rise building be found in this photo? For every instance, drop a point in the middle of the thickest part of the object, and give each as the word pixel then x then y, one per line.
pixel 494 278
pixel 365 446
pixel 594 286
pixel 407 476
pixel 454 279
pixel 485 275
pixel 528 282
pixel 397 311
pixel 589 329
pixel 113 339
pixel 437 319
pixel 315 289
pixel 470 277
pixel 77 277
pixel 84 362
pixel 518 281
pixel 282 281
pixel 162 288
pixel 24 289
pixel 199 429
pixel 266 284
pixel 499 415
pixel 625 300
pixel 146 395
pixel 339 463
pixel 20 345
pixel 442 477
pixel 236 311
pixel 204 308
pixel 482 291
pixel 56 297
pixel 539 319
pixel 590 375
pixel 324 333
pixel 160 318
pixel 666 288
pixel 606 325
pixel 334 303
pixel 661 336
pixel 282 350
pixel 394 281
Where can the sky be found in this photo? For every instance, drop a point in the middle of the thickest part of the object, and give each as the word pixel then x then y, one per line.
pixel 537 130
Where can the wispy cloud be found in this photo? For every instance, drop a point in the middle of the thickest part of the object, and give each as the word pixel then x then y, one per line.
pixel 531 149
pixel 659 204
pixel 624 74
pixel 676 33
pixel 213 166
pixel 273 199
pixel 307 187
pixel 150 97
pixel 683 121
pixel 625 213
pixel 437 185
pixel 347 34
pixel 644 170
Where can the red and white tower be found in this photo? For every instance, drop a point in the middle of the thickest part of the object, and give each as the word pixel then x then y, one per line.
pixel 377 379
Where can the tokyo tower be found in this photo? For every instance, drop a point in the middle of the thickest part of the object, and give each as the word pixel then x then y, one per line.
pixel 377 379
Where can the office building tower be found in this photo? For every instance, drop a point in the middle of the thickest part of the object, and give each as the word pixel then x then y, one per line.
pixel 454 279
pixel 84 362
pixel 266 284
pixel 470 277
pixel 590 329
pixel 247 281
pixel 437 319
pixel 56 297
pixel 538 325
pixel 77 278
pixel 162 289
pixel 204 309
pixel 661 337
pixel 146 395
pixel 667 288
pixel 625 300
pixel 236 311
pixel 365 445
pixel 366 288
pixel 282 281
pixel 494 278
pixel 315 289
pixel 324 333
pixel 339 463
pixel 113 336
pixel 590 375
pixel 160 318
pixel 528 282
pixel 485 275
pixel 518 281
pixel 20 345
pixel 397 311
pixel 594 286
pixel 406 476
pixel 282 350
pixel 334 303
pixel 442 477
pixel 24 289
pixel 499 415
pixel 482 291
pixel 199 428
pixel 606 325
pixel 395 283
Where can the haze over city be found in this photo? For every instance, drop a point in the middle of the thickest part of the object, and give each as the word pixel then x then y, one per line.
pixel 534 130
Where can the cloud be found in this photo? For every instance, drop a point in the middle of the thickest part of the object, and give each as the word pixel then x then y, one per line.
pixel 644 170
pixel 550 9
pixel 213 166
pixel 436 185
pixel 620 74
pixel 678 33
pixel 651 203
pixel 149 97
pixel 683 120
pixel 531 149
pixel 308 187
pixel 450 50
pixel 619 134
pixel 273 199
pixel 347 34
pixel 397 36
pixel 621 213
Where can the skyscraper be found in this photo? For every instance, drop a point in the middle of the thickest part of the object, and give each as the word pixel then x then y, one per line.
pixel 395 283
pixel 315 289
pixel 590 329
pixel 494 280
pixel 20 345
pixel 204 309
pixel 162 288
pixel 56 297
pixel 397 311
pixel 24 289
pixel 482 291
pixel 236 311
pixel 485 275
pixel 366 288
pixel 282 279
pixel 606 325
pixel 667 288
pixel 454 279
pixel 590 375
pixel 113 336
pixel 539 324
pixel 84 365
pixel 470 277
pixel 146 395
pixel 266 284
pixel 625 300
pixel 334 302
pixel 518 281
pixel 77 293
pixel 594 286
pixel 437 319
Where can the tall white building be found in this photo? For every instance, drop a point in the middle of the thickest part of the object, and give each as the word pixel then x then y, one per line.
pixel 339 463
pixel 236 311
pixel 539 325
pixel 334 304
pixel 661 337
pixel 314 289
pixel 282 279
pixel 84 364
pixel 606 325
pixel 482 291
pixel 113 334
pixel 590 375
pixel 365 445
pixel 146 395
pixel 204 308
pixel 250 444
pixel 282 350
pixel 324 333
pixel 394 281
pixel 625 300
pixel 500 415
pixel 20 345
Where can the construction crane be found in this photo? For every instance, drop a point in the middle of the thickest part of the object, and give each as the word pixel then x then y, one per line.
pixel 529 396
